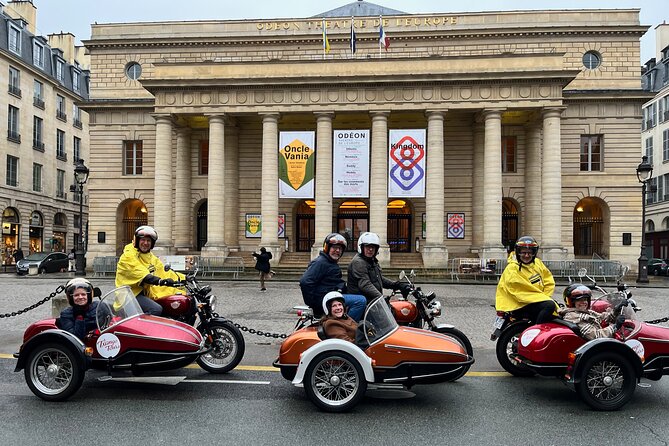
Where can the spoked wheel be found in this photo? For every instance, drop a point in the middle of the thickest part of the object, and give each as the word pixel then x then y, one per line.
pixel 334 381
pixel 460 336
pixel 53 372
pixel 607 382
pixel 227 348
pixel 505 347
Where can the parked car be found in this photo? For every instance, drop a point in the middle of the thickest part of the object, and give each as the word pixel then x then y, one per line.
pixel 46 262
pixel 657 267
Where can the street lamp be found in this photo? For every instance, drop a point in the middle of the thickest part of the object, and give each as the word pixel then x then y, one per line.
pixel 80 177
pixel 644 172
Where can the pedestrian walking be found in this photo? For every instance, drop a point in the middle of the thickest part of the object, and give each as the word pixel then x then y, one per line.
pixel 262 265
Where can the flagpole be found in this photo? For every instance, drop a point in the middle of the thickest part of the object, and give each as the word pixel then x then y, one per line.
pixel 380 28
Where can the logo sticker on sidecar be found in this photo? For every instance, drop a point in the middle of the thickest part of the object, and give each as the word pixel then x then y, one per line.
pixel 637 347
pixel 108 345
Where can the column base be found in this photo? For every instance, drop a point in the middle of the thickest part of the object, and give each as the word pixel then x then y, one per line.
pixel 435 256
pixel 215 251
pixel 492 252
pixel 159 251
pixel 553 253
pixel 383 256
pixel 277 251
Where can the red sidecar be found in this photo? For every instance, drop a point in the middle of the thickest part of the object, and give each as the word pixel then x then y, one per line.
pixel 55 361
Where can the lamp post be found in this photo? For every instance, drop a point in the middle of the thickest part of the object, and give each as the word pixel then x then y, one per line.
pixel 644 172
pixel 80 176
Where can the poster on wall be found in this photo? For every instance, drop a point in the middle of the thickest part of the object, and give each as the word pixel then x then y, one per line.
pixel 456 225
pixel 282 226
pixel 253 225
pixel 296 164
pixel 350 164
pixel 406 163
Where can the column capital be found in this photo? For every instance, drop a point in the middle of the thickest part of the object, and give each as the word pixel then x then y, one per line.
pixel 375 114
pixel 548 112
pixel 162 117
pixel 183 130
pixel 218 118
pixel 324 116
pixel 270 115
pixel 430 114
pixel 492 112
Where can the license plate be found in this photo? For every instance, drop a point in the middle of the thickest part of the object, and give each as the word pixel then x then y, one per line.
pixel 499 321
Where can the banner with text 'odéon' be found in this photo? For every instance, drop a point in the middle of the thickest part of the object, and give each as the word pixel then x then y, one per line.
pixel 350 167
pixel 406 163
pixel 296 164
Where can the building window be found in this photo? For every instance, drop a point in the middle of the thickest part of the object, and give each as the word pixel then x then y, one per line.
pixel 60 66
pixel 76 146
pixel 38 141
pixel 660 189
pixel 592 60
pixel 204 157
pixel 75 81
pixel 132 157
pixel 60 108
pixel 508 154
pixel 60 184
pixel 664 108
pixel 76 116
pixel 37 177
pixel 15 82
pixel 591 152
pixel 75 222
pixel 133 71
pixel 60 145
pixel 38 94
pixel 651 197
pixel 14 38
pixel 13 124
pixel 649 149
pixel 38 55
pixel 12 171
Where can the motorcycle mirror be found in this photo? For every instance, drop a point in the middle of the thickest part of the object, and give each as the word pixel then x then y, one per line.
pixel 412 273
pixel 97 292
pixel 168 266
pixel 402 275
pixel 582 272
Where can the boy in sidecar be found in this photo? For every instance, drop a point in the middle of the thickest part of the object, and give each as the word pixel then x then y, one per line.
pixel 577 297
pixel 79 317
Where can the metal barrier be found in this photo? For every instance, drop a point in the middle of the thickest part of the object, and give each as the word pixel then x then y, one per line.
pixel 222 265
pixel 104 265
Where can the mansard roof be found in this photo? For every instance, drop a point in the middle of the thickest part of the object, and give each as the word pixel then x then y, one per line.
pixel 360 8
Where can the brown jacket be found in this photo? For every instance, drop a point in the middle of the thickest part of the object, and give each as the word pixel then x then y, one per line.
pixel 340 328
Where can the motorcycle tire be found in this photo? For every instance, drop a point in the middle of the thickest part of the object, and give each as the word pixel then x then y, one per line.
pixel 503 349
pixel 460 336
pixel 228 348
pixel 607 382
pixel 334 381
pixel 53 372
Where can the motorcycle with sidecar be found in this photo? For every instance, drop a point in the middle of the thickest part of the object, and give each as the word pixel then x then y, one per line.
pixel 335 373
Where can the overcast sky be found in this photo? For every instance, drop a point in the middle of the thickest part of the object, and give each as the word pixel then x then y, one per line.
pixel 76 16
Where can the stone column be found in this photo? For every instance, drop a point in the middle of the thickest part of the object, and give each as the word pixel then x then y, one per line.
pixel 183 206
pixel 492 186
pixel 378 184
pixel 435 253
pixel 476 223
pixel 269 201
pixel 216 189
pixel 232 215
pixel 533 196
pixel 551 187
pixel 323 185
pixel 162 206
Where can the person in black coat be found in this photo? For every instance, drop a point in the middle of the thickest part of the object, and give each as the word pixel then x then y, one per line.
pixel 262 265
pixel 79 317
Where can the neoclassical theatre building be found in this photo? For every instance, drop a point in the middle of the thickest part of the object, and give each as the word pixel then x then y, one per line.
pixel 465 132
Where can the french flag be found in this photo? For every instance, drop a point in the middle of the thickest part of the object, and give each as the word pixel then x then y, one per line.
pixel 384 40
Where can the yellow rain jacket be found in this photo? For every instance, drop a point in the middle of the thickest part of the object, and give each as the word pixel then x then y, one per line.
pixel 522 286
pixel 134 266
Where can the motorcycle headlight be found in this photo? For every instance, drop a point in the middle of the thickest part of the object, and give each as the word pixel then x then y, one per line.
pixel 435 308
pixel 212 302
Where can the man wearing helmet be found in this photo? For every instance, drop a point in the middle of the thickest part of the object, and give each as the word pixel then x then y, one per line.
pixel 526 286
pixel 577 297
pixel 142 271
pixel 324 275
pixel 364 271
pixel 79 317
pixel 336 323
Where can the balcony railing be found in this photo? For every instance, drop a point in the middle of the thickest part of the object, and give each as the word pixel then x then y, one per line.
pixel 16 91
pixel 13 136
pixel 77 123
pixel 61 115
pixel 38 102
pixel 61 156
pixel 38 145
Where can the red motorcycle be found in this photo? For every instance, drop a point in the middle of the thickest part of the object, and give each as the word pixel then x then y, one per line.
pixel 604 372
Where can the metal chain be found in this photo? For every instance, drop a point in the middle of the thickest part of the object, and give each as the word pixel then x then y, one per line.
pixel 658 321
pixel 260 332
pixel 59 290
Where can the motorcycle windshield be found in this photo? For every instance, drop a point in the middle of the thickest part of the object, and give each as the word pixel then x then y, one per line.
pixel 117 305
pixel 378 320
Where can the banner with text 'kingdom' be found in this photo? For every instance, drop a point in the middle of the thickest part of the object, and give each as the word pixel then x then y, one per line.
pixel 406 163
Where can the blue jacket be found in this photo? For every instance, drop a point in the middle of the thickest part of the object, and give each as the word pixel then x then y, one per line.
pixel 79 328
pixel 322 276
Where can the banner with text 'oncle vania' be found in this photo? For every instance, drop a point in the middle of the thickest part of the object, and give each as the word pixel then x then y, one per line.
pixel 296 164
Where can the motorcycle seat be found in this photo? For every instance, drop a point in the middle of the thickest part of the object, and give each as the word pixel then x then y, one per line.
pixel 570 325
pixel 320 331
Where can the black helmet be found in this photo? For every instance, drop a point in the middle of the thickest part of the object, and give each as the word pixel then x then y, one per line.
pixel 526 242
pixel 145 231
pixel 78 282
pixel 574 292
pixel 333 238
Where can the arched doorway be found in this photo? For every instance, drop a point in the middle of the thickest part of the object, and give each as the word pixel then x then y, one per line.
pixel 59 241
pixel 589 230
pixel 352 220
pixel 10 230
pixel 36 232
pixel 399 226
pixel 202 225
pixel 509 222
pixel 134 215
pixel 305 226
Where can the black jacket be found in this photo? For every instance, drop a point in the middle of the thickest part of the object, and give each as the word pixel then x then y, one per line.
pixel 262 261
pixel 364 277
pixel 322 276
pixel 79 328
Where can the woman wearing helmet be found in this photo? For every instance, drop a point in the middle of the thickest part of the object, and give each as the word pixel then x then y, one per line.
pixel 577 297
pixel 79 317
pixel 336 323
pixel 142 271
pixel 526 285
pixel 364 271
pixel 323 275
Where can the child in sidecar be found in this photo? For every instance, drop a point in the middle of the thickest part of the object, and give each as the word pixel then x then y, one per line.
pixel 336 323
pixel 577 297
pixel 79 317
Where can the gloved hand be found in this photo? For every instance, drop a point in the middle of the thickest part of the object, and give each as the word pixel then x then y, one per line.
pixel 79 312
pixel 620 320
pixel 166 282
pixel 405 289
pixel 620 305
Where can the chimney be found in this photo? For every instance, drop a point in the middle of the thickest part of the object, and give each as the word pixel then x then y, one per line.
pixel 65 43
pixel 24 10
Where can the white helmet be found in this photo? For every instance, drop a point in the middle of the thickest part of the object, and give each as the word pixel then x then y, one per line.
pixel 330 298
pixel 369 238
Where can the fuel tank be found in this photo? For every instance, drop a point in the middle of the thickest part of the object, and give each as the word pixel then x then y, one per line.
pixel 403 311
pixel 176 305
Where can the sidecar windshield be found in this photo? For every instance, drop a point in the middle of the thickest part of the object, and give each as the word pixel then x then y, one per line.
pixel 117 305
pixel 378 320
pixel 615 298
